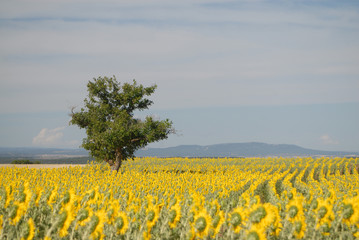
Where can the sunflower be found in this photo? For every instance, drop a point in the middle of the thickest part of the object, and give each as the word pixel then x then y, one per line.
pixel 217 222
pixel 68 220
pixel 28 194
pixel 257 213
pixel 150 200
pixel 299 227
pixel 52 196
pixel 201 224
pixel 256 232
pixel 20 207
pixel 237 217
pixel 292 194
pixel 350 210
pixel 272 219
pixel 6 197
pixel 98 220
pixel 324 228
pixel 215 208
pixel 152 214
pixel 94 196
pixel 324 214
pixel 114 209
pixel 295 209
pixel 31 229
pixel 14 214
pixel 121 223
pixel 68 208
pixel 133 207
pixel 255 200
pixel 83 216
pixel 198 202
pixel 244 199
pixel 175 215
pixel 39 192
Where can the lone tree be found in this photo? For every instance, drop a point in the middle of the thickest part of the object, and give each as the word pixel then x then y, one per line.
pixel 113 133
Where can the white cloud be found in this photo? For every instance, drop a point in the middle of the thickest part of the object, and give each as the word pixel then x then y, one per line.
pixel 328 140
pixel 53 138
pixel 47 137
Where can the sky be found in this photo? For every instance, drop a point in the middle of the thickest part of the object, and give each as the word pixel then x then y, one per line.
pixel 227 71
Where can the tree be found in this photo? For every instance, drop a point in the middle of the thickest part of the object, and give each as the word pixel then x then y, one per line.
pixel 113 133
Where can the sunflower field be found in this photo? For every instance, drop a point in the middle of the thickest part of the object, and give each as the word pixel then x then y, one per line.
pixel 181 198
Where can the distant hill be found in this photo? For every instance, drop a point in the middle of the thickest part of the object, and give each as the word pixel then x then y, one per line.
pixel 45 155
pixel 251 149
pixel 41 153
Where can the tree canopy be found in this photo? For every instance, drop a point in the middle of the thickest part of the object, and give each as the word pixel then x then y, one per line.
pixel 113 133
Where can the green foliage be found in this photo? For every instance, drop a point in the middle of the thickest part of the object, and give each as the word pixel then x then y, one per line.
pixel 24 161
pixel 113 133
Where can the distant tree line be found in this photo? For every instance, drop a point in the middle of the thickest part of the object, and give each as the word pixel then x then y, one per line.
pixel 25 161
pixel 74 160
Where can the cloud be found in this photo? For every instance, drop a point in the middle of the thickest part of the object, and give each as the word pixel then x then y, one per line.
pixel 48 137
pixel 327 140
pixel 53 138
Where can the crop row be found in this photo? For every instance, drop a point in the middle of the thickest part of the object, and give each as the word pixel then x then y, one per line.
pixel 180 198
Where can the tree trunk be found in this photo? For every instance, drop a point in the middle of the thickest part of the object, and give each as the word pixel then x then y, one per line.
pixel 116 166
pixel 118 162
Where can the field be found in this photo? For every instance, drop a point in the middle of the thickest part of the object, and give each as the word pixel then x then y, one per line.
pixel 178 198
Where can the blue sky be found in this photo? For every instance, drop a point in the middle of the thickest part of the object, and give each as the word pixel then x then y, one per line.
pixel 227 71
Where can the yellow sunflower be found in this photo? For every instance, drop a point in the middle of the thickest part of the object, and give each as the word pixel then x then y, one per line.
pixel 350 210
pixel 52 197
pixel 324 213
pixel 99 219
pixel 28 194
pixel 299 227
pixel 15 214
pixel 256 232
pixel 324 228
pixel 273 219
pixel 215 207
pixel 39 192
pixel 152 214
pixel 198 202
pixel 201 224
pixel 113 210
pixel 68 208
pixel 122 223
pixel 265 216
pixel 257 213
pixel 69 217
pixel 217 222
pixel 175 215
pixel 31 230
pixel 83 216
pixel 295 208
pixel 237 217
pixel 244 199
pixel 5 198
